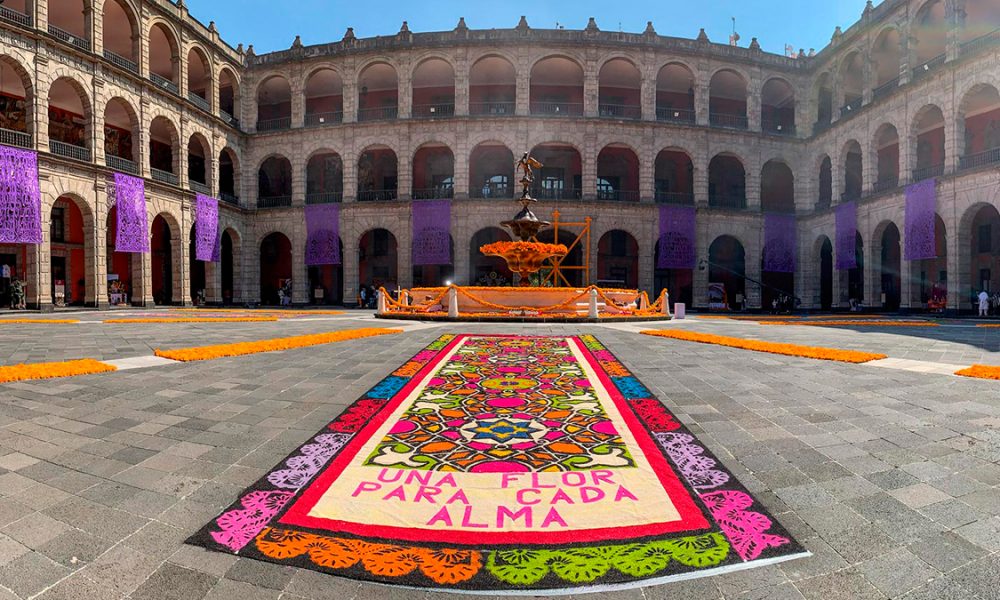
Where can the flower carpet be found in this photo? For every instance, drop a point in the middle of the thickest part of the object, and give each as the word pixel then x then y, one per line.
pixel 508 465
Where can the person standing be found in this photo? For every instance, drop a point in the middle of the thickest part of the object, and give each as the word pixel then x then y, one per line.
pixel 363 293
pixel 984 303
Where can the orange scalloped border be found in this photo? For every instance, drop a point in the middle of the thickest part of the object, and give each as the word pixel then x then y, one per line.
pixel 815 352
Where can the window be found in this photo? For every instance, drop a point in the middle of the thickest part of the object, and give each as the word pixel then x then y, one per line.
pixel 607 188
pixel 495 187
pixel 985 239
pixel 58 231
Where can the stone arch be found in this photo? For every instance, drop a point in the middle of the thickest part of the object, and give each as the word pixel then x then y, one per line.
pixel 166 257
pixel 65 96
pixel 121 141
pixel 275 252
pixel 200 171
pixel 207 72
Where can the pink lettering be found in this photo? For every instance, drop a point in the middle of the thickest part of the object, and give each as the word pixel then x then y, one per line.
pixel 467 520
pixel 602 476
pixel 536 484
pixel 428 493
pixel 591 494
pixel 524 501
pixel 561 496
pixel 459 496
pixel 399 494
pixel 366 486
pixel 421 477
pixel 442 516
pixel 624 493
pixel 574 479
pixel 553 517
pixel 384 475
pixel 448 479
pixel 508 478
pixel 503 512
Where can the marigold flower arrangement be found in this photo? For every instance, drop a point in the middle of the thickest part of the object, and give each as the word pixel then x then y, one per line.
pixel 524 258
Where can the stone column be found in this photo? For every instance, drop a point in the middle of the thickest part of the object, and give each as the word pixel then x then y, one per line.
pixel 405 89
pixel 905 276
pixel 591 89
pixel 701 101
pixel 523 82
pixel 754 104
pixel 462 87
pixel 700 277
pixel 142 279
pixel 648 95
pixel 181 266
pixel 298 105
pixel 300 272
pixel 213 283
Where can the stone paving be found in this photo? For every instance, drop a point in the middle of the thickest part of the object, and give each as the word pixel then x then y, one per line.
pixel 890 478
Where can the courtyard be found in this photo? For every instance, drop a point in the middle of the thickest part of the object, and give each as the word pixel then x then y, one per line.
pixel 887 476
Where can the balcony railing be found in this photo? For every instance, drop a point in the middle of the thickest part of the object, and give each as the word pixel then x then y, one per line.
pixel 64 36
pixel 229 198
pixel 619 111
pixel 824 202
pixel 851 107
pixel 379 113
pixel 69 150
pixel 606 195
pixel 493 190
pixel 729 201
pixel 324 197
pixel 201 188
pixel 377 195
pixel 729 121
pixel 981 43
pixel 18 139
pixel 777 126
pixel 433 111
pixel 676 115
pixel 165 177
pixel 684 198
pixel 884 185
pixel 164 83
pixel 981 159
pixel 557 109
pixel 556 193
pixel 886 88
pixel 324 118
pixel 228 118
pixel 435 193
pixel 927 67
pixel 851 196
pixel 274 201
pixel 275 124
pixel 923 173
pixel 492 109
pixel 12 16
pixel 122 165
pixel 199 102
pixel 821 126
pixel 121 62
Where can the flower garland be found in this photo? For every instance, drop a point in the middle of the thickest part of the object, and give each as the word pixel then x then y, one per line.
pixel 537 248
pixel 853 323
pixel 195 320
pixel 848 356
pixel 244 348
pixel 52 370
pixel 980 372
pixel 38 321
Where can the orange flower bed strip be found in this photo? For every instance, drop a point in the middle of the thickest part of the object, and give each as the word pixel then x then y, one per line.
pixel 53 370
pixel 848 356
pixel 195 320
pixel 980 372
pixel 273 345
pixel 501 248
pixel 989 325
pixel 852 323
pixel 38 321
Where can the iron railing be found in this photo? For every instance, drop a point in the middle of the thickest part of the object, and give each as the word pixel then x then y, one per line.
pixel 557 109
pixel 729 121
pixel 728 201
pixel 121 62
pixel 606 195
pixel 229 198
pixel 275 124
pixel 201 188
pixel 619 111
pixel 684 198
pixel 324 197
pixel 777 126
pixel 64 36
pixel 164 83
pixel 851 196
pixel 981 43
pixel 379 113
pixel 12 16
pixel 199 102
pixel 433 111
pixel 229 118
pixel 676 115
pixel 557 193
pixel 884 185
pixel 165 177
pixel 821 126
pixel 435 193
pixel 18 139
pixel 922 173
pixel 122 165
pixel 274 201
pixel 377 195
pixel 980 159
pixel 69 150
pixel 927 67
pixel 886 88
pixel 851 107
pixel 492 109
pixel 493 190
pixel 324 118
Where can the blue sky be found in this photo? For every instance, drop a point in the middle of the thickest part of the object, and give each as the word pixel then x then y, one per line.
pixel 272 24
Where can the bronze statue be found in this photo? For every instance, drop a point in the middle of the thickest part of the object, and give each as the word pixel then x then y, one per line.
pixel 527 164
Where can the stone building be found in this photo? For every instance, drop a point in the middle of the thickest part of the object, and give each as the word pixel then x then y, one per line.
pixel 624 123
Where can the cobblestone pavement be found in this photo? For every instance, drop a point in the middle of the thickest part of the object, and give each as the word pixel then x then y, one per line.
pixel 890 478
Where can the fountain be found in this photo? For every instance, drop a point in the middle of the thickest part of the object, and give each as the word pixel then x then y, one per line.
pixel 525 256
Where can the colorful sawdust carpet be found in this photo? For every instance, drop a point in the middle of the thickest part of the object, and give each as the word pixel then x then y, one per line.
pixel 504 464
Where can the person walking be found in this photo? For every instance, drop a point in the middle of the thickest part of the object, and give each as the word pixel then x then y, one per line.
pixel 984 303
